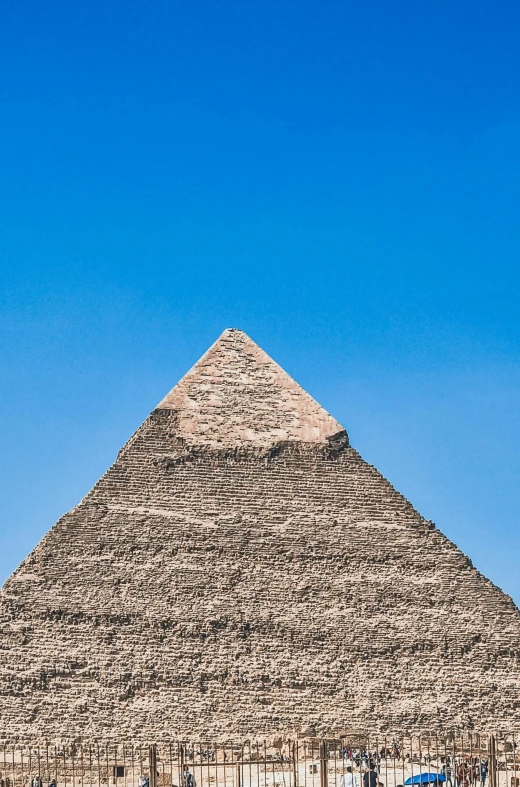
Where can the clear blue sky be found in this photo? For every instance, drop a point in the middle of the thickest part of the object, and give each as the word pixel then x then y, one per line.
pixel 341 180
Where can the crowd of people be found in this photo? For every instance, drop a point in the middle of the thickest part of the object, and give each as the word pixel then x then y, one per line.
pixel 360 767
pixel 453 771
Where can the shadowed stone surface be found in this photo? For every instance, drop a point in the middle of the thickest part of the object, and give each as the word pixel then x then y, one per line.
pixel 241 570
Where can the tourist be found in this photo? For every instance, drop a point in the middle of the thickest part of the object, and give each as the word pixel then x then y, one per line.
pixel 370 777
pixel 463 775
pixel 348 779
pixel 188 779
pixel 446 770
pixel 483 772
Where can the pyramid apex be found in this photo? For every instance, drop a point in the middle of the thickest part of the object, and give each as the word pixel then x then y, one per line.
pixel 237 395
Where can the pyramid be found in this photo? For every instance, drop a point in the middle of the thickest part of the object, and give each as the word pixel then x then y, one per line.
pixel 241 571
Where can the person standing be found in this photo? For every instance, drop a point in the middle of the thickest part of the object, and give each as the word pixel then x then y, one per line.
pixel 370 777
pixel 188 779
pixel 348 779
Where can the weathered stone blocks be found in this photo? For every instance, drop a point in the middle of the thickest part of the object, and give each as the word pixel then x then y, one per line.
pixel 240 570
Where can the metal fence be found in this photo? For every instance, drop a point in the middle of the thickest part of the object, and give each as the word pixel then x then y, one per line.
pixel 354 761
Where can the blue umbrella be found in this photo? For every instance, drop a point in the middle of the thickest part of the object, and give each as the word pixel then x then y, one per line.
pixel 426 778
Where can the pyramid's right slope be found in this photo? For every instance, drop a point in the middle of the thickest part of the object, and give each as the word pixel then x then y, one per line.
pixel 241 570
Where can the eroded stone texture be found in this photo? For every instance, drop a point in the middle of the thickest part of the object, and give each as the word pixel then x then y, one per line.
pixel 223 582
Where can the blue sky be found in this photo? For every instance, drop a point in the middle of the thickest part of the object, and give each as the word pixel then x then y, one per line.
pixel 340 180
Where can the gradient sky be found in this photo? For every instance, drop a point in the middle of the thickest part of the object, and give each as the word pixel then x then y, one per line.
pixel 340 180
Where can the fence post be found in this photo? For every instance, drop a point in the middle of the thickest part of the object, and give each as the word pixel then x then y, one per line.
pixel 323 764
pixel 492 765
pixel 294 765
pixel 152 757
pixel 182 775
